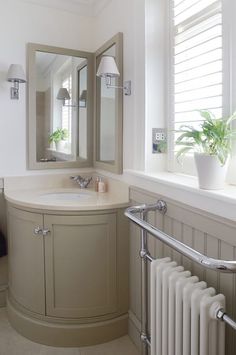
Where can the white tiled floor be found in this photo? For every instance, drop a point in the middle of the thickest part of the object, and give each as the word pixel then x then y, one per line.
pixel 11 343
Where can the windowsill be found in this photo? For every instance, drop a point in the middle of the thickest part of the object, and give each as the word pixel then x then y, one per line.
pixel 64 152
pixel 63 155
pixel 184 189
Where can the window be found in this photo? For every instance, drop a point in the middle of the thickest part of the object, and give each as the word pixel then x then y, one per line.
pixel 196 67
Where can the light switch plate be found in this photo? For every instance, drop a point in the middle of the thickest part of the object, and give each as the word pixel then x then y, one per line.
pixel 159 140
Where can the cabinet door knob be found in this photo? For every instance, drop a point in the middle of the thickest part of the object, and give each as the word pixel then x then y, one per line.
pixel 38 231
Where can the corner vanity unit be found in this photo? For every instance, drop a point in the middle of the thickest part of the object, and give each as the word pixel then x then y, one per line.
pixel 68 265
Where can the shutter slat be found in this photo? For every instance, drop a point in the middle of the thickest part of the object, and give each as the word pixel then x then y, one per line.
pixel 199 6
pixel 187 33
pixel 199 50
pixel 193 116
pixel 199 47
pixel 197 38
pixel 193 95
pixel 184 6
pixel 202 104
pixel 214 78
pixel 201 71
pixel 199 60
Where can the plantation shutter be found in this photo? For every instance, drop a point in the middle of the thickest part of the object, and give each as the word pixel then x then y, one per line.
pixel 196 63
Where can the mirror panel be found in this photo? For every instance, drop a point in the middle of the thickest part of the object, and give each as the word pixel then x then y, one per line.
pixel 107 118
pixel 60 131
pixel 109 112
pixel 82 128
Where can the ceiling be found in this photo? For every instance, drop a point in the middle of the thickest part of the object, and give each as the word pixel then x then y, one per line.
pixel 80 7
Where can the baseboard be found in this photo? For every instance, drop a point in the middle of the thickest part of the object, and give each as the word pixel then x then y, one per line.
pixel 134 329
pixel 52 332
pixel 3 289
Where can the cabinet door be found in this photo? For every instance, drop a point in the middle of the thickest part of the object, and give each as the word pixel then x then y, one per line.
pixel 80 256
pixel 26 260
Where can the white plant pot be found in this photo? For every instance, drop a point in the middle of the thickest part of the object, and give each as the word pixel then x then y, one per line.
pixel 211 174
pixel 59 146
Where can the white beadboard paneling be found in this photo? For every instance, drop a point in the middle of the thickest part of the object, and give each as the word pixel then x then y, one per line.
pixel 187 238
pixel 199 239
pixel 212 250
pixel 208 234
pixel 177 232
pixel 167 228
pixel 159 246
pixel 151 241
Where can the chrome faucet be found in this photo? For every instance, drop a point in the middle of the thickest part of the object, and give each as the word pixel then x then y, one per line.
pixel 83 182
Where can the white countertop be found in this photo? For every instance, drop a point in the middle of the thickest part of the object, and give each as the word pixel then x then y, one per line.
pixel 50 192
pixel 49 199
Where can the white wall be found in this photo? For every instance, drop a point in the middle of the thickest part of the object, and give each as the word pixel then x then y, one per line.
pixel 128 16
pixel 156 39
pixel 21 23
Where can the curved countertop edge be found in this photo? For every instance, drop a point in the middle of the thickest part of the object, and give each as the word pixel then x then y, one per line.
pixel 96 201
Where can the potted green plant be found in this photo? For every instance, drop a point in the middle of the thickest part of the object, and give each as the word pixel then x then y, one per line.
pixel 211 144
pixel 58 136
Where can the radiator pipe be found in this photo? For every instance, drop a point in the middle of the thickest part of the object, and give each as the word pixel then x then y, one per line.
pixel 144 287
pixel 221 315
pixel 201 259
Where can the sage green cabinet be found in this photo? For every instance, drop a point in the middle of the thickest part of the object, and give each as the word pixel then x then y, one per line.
pixel 68 275
pixel 80 265
pixel 71 271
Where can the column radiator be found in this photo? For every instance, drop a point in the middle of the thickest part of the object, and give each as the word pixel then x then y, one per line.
pixel 183 313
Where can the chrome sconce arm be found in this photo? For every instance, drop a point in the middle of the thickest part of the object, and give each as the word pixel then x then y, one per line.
pixel 108 69
pixel 126 87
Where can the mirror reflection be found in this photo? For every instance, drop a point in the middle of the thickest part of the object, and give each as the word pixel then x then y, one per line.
pixel 107 115
pixel 61 107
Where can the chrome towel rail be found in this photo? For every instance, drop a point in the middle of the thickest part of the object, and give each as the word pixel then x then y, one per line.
pixel 201 259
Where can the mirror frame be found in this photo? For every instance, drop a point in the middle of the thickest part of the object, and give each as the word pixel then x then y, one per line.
pixel 117 167
pixel 31 117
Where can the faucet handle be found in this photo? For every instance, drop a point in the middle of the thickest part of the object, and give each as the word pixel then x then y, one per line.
pixel 75 178
pixel 83 182
pixel 89 179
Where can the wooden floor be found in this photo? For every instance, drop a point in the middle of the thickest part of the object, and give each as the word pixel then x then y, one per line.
pixel 12 343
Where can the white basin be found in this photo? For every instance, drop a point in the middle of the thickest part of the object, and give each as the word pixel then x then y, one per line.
pixel 65 196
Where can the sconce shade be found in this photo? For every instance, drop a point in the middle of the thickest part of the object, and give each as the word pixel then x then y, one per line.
pixel 107 67
pixel 63 94
pixel 83 96
pixel 16 74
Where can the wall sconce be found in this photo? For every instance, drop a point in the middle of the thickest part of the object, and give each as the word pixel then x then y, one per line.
pixel 15 75
pixel 83 98
pixel 108 69
pixel 64 95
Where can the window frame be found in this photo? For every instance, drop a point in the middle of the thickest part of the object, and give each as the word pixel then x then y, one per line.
pixel 189 167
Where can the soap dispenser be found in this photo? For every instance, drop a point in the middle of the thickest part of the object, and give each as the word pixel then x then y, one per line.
pixel 101 186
